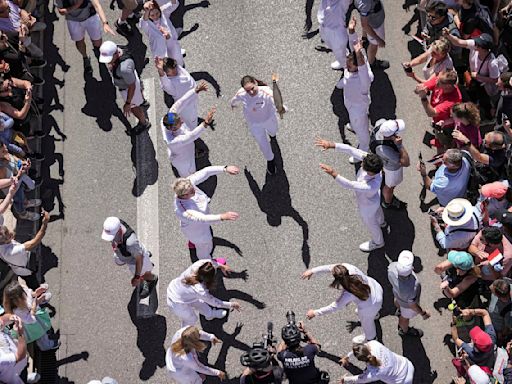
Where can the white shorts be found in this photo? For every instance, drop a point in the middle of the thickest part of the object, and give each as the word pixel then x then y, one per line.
pixel 408 313
pixel 393 178
pixel 137 98
pixel 92 26
pixel 381 32
pixel 147 265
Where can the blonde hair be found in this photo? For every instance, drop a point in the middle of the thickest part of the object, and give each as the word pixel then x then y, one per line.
pixel 5 234
pixel 441 45
pixel 188 342
pixel 181 186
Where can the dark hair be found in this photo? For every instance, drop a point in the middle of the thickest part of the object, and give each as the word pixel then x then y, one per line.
pixel 468 111
pixel 362 353
pixel 249 79
pixel 169 63
pixel 350 283
pixel 351 57
pixel 492 235
pixel 205 275
pixel 501 288
pixel 438 7
pixel 13 293
pixel 469 26
pixel 372 163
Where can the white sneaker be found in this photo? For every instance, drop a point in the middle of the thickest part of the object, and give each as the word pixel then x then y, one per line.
pixel 353 160
pixel 369 246
pixel 183 52
pixel 217 314
pixel 117 261
pixel 348 127
pixel 336 65
pixel 33 377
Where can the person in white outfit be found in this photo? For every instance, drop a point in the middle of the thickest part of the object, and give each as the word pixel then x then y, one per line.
pixel 356 288
pixel 176 81
pixel 260 113
pixel 366 188
pixel 356 82
pixel 191 208
pixel 179 137
pixel 331 17
pixel 181 360
pixel 162 36
pixel 190 293
pixel 382 364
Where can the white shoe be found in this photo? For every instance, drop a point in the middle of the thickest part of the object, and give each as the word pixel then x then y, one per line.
pixel 352 160
pixel 369 246
pixel 117 261
pixel 30 216
pixel 217 314
pixel 183 52
pixel 336 65
pixel 348 127
pixel 33 377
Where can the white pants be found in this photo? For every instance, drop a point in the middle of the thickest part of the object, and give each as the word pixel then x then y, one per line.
pixel 185 164
pixel 410 373
pixel 336 40
pixel 174 51
pixel 185 377
pixel 373 218
pixel 187 312
pixel 367 319
pixel 360 124
pixel 260 131
pixel 92 26
pixel 204 250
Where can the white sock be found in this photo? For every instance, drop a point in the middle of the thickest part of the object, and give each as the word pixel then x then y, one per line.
pixel 119 21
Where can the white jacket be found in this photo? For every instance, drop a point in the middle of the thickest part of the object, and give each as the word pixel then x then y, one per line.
pixel 157 42
pixel 258 108
pixel 366 187
pixel 194 214
pixel 375 299
pixel 356 85
pixel 331 13
pixel 179 292
pixel 188 363
pixel 178 85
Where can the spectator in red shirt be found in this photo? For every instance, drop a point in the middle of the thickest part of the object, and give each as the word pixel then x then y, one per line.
pixel 444 95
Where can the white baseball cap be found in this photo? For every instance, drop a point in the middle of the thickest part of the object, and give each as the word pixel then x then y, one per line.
pixel 404 263
pixel 107 51
pixel 391 127
pixel 110 228
pixel 477 375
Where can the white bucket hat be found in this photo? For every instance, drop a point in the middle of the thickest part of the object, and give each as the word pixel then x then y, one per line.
pixel 458 212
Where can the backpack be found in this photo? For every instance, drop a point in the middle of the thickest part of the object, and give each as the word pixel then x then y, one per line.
pixel 475 179
pixel 508 165
pixel 374 143
pixel 125 56
pixel 126 235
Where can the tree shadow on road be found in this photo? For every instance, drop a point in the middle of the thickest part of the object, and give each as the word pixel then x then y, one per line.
pixel 151 334
pixel 275 201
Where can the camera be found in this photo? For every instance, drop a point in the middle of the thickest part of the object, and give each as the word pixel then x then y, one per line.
pixel 259 356
pixel 407 68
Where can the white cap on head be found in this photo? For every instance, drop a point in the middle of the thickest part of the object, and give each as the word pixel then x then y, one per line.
pixel 94 382
pixel 111 226
pixel 391 127
pixel 107 51
pixel 359 339
pixel 477 375
pixel 404 263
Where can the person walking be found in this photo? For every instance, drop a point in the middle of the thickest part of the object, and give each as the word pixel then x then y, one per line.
pixel 125 78
pixel 382 364
pixel 162 36
pixel 356 82
pixel 84 16
pixel 179 137
pixel 358 288
pixel 331 17
pixel 181 358
pixel 189 293
pixel 191 208
pixel 129 250
pixel 176 81
pixel 366 188
pixel 407 292
pixel 260 114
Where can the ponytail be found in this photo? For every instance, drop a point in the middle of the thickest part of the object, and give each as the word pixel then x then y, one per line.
pixel 204 275
pixel 362 353
pixel 250 79
pixel 350 283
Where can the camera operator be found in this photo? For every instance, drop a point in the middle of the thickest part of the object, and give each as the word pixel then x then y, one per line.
pixel 298 361
pixel 262 367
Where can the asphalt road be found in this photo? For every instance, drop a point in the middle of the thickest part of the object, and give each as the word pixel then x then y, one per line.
pixel 298 217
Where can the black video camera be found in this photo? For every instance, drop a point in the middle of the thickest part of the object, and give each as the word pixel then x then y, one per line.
pixel 260 356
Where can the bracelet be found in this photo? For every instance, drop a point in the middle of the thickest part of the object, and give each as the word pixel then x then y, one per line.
pixel 105 22
pixel 225 168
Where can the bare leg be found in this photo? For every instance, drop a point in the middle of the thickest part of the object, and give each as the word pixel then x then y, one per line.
pixel 387 192
pixel 82 48
pixel 403 323
pixel 139 114
pixel 372 53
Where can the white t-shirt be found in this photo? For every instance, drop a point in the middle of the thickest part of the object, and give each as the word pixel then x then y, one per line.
pixel 24 313
pixel 16 256
pixel 9 369
pixel 488 69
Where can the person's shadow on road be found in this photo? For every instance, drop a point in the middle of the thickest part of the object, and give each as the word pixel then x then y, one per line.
pixel 144 162
pixel 275 201
pixel 151 333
